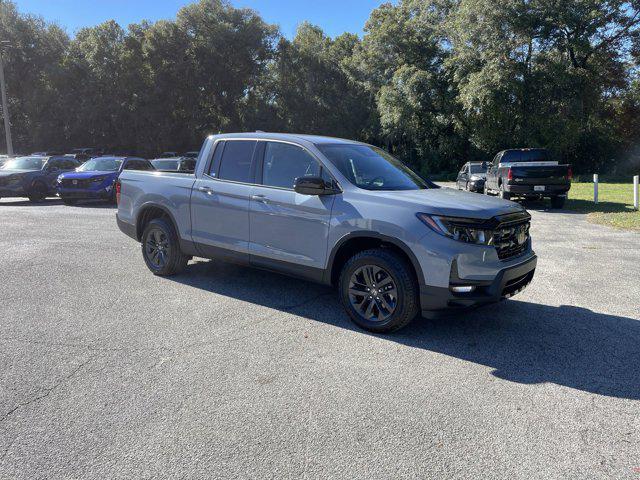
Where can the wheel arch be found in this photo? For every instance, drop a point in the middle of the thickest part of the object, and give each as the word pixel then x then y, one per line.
pixel 353 243
pixel 151 211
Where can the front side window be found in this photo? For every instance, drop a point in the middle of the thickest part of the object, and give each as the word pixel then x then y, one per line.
pixel 283 163
pixel 372 168
pixel 235 164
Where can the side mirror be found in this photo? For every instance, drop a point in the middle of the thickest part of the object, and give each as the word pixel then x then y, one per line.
pixel 312 186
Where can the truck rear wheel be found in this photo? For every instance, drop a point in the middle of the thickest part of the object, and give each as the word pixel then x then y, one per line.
pixel 161 248
pixel 379 291
pixel 557 202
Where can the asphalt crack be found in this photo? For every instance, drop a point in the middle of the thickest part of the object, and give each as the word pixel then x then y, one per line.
pixel 45 392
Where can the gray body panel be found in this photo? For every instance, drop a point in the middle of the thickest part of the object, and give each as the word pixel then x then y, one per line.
pixel 280 229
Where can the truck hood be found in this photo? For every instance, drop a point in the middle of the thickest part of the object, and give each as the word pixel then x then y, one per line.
pixel 454 203
pixel 86 175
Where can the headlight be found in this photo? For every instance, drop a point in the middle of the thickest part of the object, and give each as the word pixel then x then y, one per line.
pixel 466 230
pixel 60 178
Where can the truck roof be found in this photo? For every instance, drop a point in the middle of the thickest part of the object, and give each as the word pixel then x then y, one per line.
pixel 317 139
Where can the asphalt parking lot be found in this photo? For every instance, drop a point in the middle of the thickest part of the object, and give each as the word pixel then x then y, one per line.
pixel 224 372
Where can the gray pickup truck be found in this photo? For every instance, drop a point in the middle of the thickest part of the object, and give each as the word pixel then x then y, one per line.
pixel 333 211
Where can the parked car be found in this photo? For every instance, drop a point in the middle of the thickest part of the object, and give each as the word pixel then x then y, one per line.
pixel 472 176
pixel 334 211
pixel 176 164
pixel 47 153
pixel 191 154
pixel 95 179
pixel 84 154
pixel 528 173
pixel 32 176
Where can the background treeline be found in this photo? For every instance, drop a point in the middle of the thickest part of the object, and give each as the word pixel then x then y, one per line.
pixel 437 82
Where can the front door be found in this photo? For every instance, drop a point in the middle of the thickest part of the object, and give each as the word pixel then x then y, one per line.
pixel 288 230
pixel 220 202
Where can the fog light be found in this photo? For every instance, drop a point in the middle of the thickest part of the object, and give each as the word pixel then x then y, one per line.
pixel 463 289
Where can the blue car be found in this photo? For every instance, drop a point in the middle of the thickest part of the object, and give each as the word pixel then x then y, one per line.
pixel 96 178
pixel 33 177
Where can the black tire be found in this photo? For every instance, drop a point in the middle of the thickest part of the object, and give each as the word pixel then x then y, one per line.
pixel 38 192
pixel 557 202
pixel 504 195
pixel 167 260
pixel 69 201
pixel 406 287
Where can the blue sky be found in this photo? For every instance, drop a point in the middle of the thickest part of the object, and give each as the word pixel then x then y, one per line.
pixel 334 16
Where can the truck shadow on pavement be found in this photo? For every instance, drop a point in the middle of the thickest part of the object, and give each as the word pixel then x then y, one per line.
pixel 522 342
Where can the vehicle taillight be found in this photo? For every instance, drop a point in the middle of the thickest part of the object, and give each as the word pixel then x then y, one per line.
pixel 118 191
pixel 569 173
pixel 509 175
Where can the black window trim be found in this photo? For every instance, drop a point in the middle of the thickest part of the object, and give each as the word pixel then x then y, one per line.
pixel 257 163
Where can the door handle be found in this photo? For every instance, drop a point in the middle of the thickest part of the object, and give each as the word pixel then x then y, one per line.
pixel 206 190
pixel 259 198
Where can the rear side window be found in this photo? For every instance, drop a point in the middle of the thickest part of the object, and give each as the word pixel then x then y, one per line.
pixel 283 163
pixel 235 164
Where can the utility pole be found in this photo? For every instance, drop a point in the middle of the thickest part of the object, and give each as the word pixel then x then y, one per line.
pixel 5 106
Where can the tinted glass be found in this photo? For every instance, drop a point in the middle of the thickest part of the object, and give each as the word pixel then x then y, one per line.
pixel 134 164
pixel 372 168
pixel 477 168
pixel 535 155
pixel 236 161
pixel 283 163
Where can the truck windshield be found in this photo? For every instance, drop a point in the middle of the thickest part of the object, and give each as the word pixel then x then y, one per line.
pixel 25 163
pixel 372 168
pixel 101 165
pixel 477 168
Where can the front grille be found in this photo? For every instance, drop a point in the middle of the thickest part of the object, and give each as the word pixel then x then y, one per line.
pixel 80 183
pixel 511 236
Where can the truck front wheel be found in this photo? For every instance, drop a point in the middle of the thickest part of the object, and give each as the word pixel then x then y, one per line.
pixel 504 195
pixel 161 248
pixel 379 291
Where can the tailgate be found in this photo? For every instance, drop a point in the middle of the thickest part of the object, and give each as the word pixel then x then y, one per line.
pixel 540 175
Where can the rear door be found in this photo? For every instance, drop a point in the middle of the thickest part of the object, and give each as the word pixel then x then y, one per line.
pixel 220 201
pixel 288 230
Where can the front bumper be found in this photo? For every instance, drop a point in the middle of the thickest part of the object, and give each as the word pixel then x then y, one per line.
pixel 476 186
pixel 13 191
pixel 507 282
pixel 81 193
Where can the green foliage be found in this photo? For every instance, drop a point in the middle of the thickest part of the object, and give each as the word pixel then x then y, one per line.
pixel 437 82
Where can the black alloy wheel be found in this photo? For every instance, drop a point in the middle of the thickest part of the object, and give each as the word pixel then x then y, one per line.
pixel 373 293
